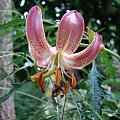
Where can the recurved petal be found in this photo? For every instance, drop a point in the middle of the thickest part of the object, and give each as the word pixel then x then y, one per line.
pixel 70 32
pixel 35 34
pixel 85 57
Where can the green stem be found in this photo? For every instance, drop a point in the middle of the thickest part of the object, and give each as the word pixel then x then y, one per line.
pixel 12 73
pixel 105 49
pixel 64 108
pixel 84 45
pixel 112 53
pixel 58 112
pixel 80 118
pixel 50 72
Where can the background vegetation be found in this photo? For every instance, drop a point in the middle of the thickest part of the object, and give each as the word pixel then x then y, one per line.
pixel 97 94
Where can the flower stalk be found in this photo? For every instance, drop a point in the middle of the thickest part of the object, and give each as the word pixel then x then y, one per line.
pixel 105 49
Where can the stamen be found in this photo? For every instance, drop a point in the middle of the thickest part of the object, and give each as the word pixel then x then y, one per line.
pixel 58 76
pixel 59 60
pixel 66 73
pixel 48 66
pixel 73 81
pixel 49 72
pixel 41 82
pixel 66 88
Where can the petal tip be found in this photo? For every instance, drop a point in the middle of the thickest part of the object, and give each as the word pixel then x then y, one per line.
pixel 35 7
pixel 74 11
pixel 100 37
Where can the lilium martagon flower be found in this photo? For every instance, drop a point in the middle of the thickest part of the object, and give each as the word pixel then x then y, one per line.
pixel 61 58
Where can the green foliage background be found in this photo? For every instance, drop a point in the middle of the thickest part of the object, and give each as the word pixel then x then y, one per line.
pixel 93 84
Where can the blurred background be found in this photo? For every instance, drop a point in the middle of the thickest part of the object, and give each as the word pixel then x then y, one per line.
pixel 101 16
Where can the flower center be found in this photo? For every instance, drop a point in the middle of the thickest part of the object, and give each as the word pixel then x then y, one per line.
pixel 61 85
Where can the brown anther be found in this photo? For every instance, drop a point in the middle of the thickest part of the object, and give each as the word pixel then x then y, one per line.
pixel 41 82
pixel 73 81
pixel 66 87
pixel 57 76
pixel 57 90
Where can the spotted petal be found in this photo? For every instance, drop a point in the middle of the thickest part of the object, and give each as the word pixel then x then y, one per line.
pixel 85 57
pixel 40 60
pixel 70 32
pixel 38 46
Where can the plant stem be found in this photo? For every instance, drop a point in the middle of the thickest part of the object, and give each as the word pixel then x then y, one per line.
pixel 58 113
pixel 84 45
pixel 64 108
pixel 112 53
pixel 50 72
pixel 12 73
pixel 80 118
pixel 105 49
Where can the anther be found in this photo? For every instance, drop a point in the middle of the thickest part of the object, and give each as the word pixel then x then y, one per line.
pixel 41 82
pixel 57 76
pixel 73 81
pixel 66 87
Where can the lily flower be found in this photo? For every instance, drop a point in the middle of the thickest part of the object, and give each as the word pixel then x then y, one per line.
pixel 60 58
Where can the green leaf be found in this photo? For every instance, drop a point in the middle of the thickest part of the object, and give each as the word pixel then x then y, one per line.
pixel 13 90
pixel 15 71
pixel 95 92
pixel 112 81
pixel 109 69
pixel 18 35
pixel 110 103
pixel 14 22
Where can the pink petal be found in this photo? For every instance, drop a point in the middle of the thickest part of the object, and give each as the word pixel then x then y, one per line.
pixel 40 60
pixel 70 32
pixel 41 63
pixel 85 57
pixel 39 47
